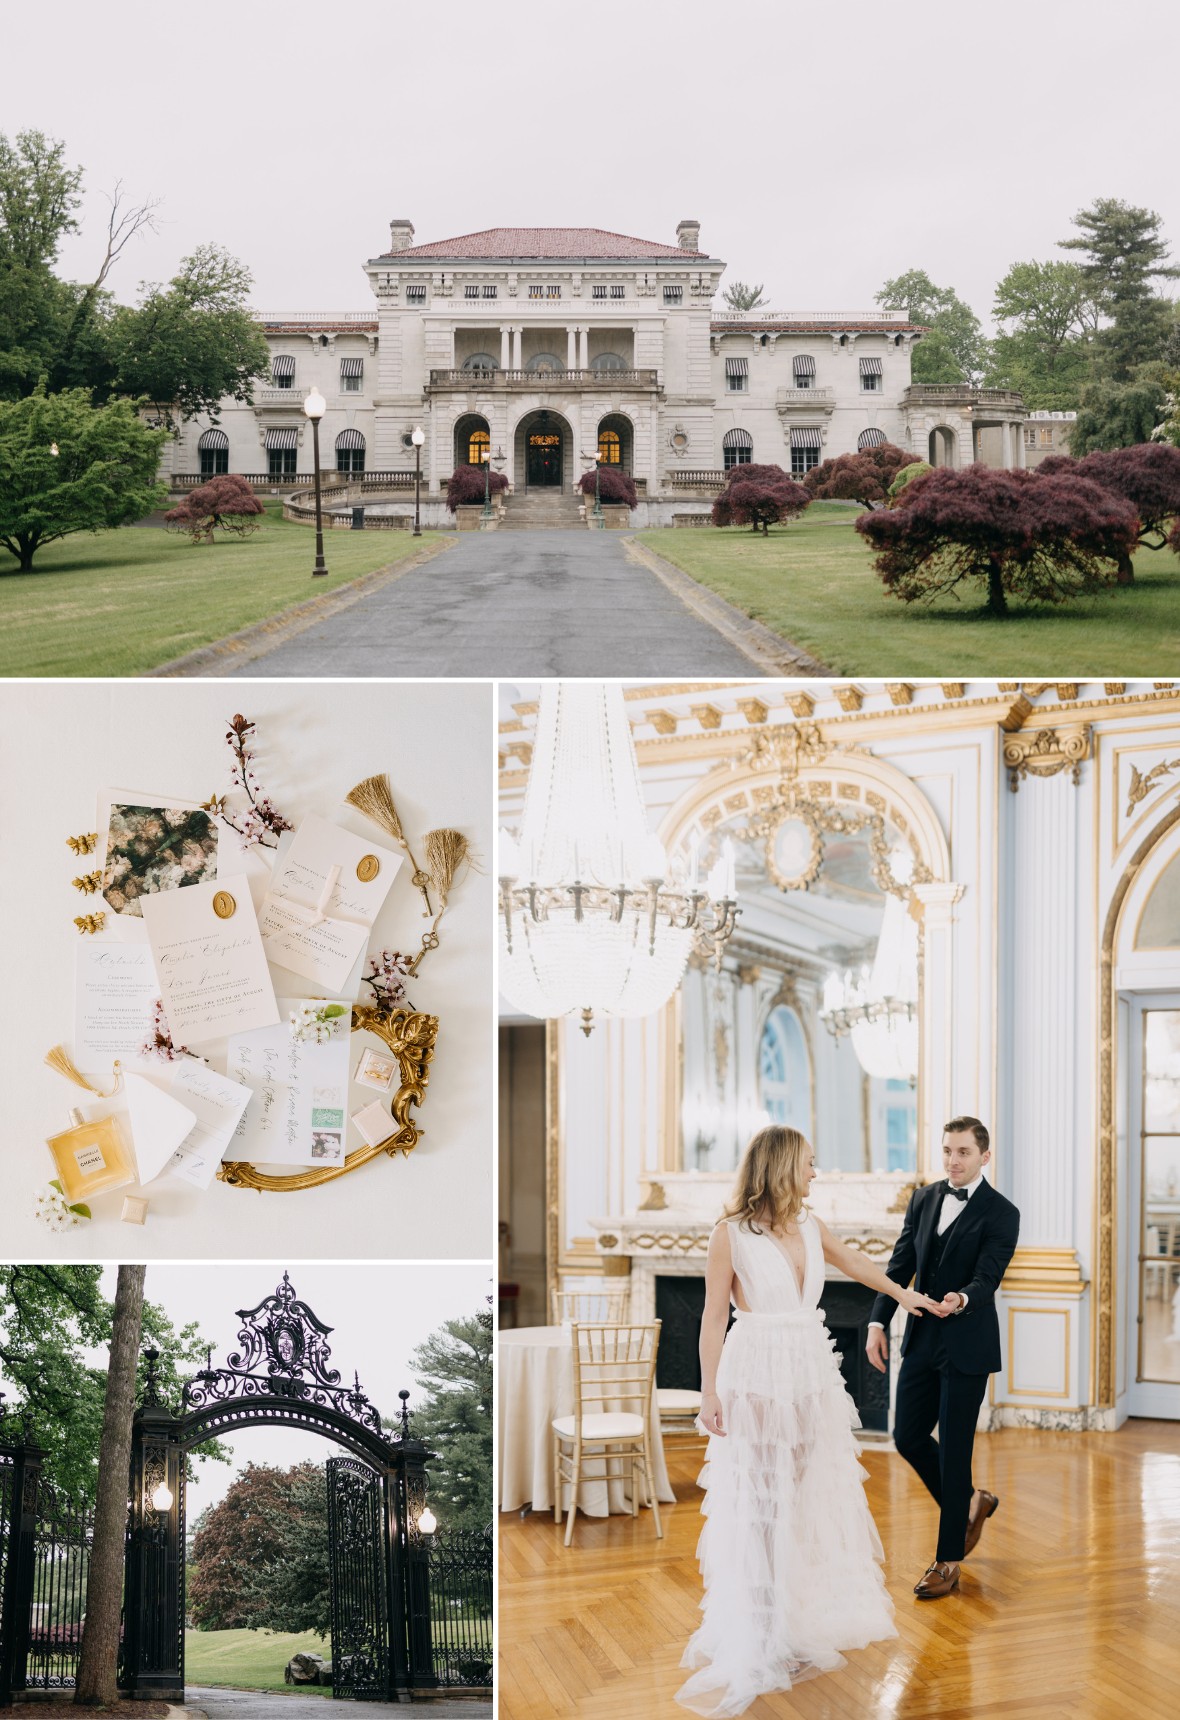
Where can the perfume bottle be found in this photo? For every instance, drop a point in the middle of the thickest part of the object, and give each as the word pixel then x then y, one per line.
pixel 91 1157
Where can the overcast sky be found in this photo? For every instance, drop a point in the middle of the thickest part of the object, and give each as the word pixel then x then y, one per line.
pixel 822 149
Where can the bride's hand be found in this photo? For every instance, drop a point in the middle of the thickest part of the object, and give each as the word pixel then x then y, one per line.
pixel 710 1417
pixel 915 1303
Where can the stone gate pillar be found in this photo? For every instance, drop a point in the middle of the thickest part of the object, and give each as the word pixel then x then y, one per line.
pixel 153 1629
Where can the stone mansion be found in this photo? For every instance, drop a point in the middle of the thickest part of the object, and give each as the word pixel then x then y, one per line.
pixel 546 349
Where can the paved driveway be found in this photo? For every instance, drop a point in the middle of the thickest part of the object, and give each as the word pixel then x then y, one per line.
pixel 514 605
pixel 259 1705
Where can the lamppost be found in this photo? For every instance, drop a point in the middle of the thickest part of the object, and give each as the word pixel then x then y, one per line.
pixel 417 437
pixel 587 461
pixel 315 406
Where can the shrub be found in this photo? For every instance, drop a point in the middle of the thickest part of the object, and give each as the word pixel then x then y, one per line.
pixel 863 477
pixel 916 469
pixel 758 496
pixel 613 486
pixel 225 503
pixel 465 487
pixel 1147 475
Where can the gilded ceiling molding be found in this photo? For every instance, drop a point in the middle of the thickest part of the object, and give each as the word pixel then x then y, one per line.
pixel 1046 752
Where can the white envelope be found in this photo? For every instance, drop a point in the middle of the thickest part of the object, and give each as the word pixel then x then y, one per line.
pixel 158 1125
pixel 325 892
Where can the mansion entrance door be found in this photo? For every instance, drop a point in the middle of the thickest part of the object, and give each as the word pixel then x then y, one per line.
pixel 543 467
pixel 1151 1233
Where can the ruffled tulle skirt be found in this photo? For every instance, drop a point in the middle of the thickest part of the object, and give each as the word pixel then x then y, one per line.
pixel 789 1555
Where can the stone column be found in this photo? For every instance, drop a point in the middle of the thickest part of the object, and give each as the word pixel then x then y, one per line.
pixel 1007 445
pixel 966 441
pixel 1021 457
pixel 936 1094
pixel 571 348
pixel 583 347
pixel 505 341
pixel 517 360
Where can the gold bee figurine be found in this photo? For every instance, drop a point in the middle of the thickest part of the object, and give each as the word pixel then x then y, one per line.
pixel 90 922
pixel 83 844
pixel 88 883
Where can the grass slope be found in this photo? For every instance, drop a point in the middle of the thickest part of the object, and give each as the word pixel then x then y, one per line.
pixel 252 1659
pixel 128 600
pixel 813 583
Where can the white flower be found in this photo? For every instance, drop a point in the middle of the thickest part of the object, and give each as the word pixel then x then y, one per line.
pixel 315 1025
pixel 53 1209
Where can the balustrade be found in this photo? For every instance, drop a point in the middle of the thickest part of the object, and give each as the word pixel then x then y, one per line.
pixel 541 381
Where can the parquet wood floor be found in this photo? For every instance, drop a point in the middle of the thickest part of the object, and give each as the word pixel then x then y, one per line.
pixel 1069 1606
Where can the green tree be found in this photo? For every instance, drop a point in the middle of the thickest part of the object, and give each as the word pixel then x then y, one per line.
pixel 454 1418
pixel 192 343
pixel 53 1320
pixel 1124 253
pixel 260 1556
pixel 1045 348
pixel 1119 414
pixel 740 296
pixel 39 195
pixel 102 474
pixel 957 340
pixel 294 1592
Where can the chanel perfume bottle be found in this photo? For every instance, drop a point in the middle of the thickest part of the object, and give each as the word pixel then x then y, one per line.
pixel 91 1157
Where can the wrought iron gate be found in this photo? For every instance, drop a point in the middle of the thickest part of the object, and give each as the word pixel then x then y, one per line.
pixel 461 1606
pixel 360 1644
pixel 45 1546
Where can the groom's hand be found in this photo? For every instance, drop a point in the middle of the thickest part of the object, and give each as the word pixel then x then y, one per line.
pixel 877 1348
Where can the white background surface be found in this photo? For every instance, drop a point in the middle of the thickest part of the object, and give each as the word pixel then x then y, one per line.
pixel 60 743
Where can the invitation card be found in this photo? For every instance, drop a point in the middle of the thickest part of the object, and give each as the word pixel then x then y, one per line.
pixel 300 1090
pixel 217 1105
pixel 115 991
pixel 325 893
pixel 209 960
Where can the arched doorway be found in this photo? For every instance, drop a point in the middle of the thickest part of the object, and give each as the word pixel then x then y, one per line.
pixel 616 442
pixel 472 439
pixel 280 1375
pixel 943 446
pixel 543 448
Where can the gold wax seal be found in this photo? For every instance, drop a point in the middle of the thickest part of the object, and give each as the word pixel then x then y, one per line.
pixel 223 904
pixel 367 868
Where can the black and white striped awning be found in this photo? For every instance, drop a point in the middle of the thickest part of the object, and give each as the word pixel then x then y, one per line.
pixel 737 439
pixel 806 436
pixel 282 439
pixel 352 367
pixel 871 438
pixel 804 364
pixel 213 439
pixel 282 365
pixel 350 439
pixel 870 367
pixel 737 367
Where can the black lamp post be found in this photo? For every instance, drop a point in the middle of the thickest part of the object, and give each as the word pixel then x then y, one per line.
pixel 417 437
pixel 315 406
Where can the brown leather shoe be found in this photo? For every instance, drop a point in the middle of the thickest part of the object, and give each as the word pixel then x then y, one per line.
pixel 938 1581
pixel 987 1507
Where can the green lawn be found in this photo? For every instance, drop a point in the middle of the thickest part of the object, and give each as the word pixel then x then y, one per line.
pixel 124 601
pixel 813 583
pixel 253 1659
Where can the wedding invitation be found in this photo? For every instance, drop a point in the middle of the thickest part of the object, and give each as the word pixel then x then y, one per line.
pixel 217 1105
pixel 115 992
pixel 300 1091
pixel 326 891
pixel 209 960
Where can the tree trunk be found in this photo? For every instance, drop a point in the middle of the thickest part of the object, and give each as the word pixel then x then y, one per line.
pixel 1126 569
pixel 28 547
pixel 99 1656
pixel 997 603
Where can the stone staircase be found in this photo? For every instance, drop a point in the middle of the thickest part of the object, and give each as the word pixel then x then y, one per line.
pixel 542 510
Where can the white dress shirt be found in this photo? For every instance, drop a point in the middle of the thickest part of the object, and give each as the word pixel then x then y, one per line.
pixel 947 1214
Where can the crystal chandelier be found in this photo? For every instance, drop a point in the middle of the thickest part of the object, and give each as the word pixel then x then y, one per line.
pixel 878 1008
pixel 593 916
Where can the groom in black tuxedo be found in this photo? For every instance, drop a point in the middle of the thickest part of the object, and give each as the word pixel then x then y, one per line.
pixel 955 1245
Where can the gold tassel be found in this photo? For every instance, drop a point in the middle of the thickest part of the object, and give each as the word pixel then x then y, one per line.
pixel 374 798
pixel 446 851
pixel 90 922
pixel 83 844
pixel 59 1060
pixel 89 883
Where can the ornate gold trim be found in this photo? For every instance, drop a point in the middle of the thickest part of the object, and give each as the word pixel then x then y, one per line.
pixel 553 1076
pixel 1045 1272
pixel 1045 752
pixel 411 1037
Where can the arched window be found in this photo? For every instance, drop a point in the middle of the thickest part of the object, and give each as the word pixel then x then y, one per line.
pixel 870 438
pixel 480 361
pixel 545 364
pixel 282 370
pixel 350 451
pixel 610 449
pixel 213 449
pixel 785 1070
pixel 478 446
pixel 608 361
pixel 737 448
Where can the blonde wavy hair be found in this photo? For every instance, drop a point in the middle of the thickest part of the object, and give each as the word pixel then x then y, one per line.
pixel 771 1180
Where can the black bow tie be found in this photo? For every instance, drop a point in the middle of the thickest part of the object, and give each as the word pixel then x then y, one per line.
pixel 956 1193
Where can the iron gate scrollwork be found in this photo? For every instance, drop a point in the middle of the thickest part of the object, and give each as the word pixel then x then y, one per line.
pixel 360 1611
pixel 461 1605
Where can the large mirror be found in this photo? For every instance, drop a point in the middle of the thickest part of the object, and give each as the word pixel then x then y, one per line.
pixel 812 1018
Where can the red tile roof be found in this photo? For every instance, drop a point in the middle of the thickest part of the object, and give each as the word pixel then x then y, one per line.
pixel 315 325
pixel 833 327
pixel 544 243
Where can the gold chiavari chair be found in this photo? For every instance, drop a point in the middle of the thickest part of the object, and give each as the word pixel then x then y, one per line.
pixel 608 1436
pixel 608 1306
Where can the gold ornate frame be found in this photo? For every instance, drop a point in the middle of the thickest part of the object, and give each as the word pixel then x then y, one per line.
pixel 410 1036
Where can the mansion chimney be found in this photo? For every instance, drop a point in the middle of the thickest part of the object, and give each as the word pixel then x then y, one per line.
pixel 401 235
pixel 688 235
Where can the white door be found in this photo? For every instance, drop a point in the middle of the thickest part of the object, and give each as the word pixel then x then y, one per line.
pixel 1151 1229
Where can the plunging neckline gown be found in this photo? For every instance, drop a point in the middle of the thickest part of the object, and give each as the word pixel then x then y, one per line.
pixel 789 1555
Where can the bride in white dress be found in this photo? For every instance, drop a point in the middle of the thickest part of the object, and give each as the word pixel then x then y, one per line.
pixel 789 1555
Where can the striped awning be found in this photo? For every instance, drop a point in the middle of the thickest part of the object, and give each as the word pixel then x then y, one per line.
pixel 282 439
pixel 352 367
pixel 871 438
pixel 737 367
pixel 737 439
pixel 282 365
pixel 870 367
pixel 350 439
pixel 806 436
pixel 804 364
pixel 213 439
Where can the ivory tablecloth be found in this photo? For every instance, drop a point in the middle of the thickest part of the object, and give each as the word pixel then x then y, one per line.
pixel 534 1383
